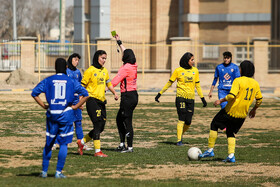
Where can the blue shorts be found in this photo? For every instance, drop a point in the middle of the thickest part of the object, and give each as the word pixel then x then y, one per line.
pixel 223 94
pixel 62 132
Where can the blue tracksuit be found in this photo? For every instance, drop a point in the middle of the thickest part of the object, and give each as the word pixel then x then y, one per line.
pixel 226 74
pixel 77 76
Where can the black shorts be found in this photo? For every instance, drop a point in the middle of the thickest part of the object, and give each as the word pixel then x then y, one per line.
pixel 223 120
pixel 185 109
pixel 96 109
pixel 129 101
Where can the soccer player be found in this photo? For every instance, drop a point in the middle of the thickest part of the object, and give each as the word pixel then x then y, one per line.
pixel 187 77
pixel 127 76
pixel 95 80
pixel 73 72
pixel 59 90
pixel 242 94
pixel 226 73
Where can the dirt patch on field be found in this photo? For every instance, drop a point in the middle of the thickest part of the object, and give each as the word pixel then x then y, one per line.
pixel 203 172
pixel 15 162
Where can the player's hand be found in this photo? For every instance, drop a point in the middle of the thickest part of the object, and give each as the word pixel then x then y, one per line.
pixel 204 102
pixel 116 97
pixel 46 107
pixel 217 102
pixel 117 37
pixel 252 114
pixel 74 107
pixel 210 95
pixel 157 97
pixel 81 107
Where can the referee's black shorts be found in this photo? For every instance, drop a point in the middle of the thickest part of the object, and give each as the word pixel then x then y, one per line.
pixel 185 109
pixel 223 120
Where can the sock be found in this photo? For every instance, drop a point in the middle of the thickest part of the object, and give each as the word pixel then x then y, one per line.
pixel 180 125
pixel 82 141
pixel 86 139
pixel 58 172
pixel 79 130
pixel 231 145
pixel 62 154
pixel 210 150
pixel 47 154
pixel 121 144
pixel 186 127
pixel 212 138
pixel 97 145
pixel 231 155
pixel 130 148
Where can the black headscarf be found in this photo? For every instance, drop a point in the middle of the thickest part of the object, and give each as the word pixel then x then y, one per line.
pixel 128 57
pixel 60 65
pixel 184 61
pixel 247 68
pixel 229 55
pixel 69 61
pixel 95 62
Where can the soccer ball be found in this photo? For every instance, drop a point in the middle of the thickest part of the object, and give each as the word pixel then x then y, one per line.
pixel 193 153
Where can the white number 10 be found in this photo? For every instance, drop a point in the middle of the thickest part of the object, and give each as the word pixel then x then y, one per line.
pixel 60 90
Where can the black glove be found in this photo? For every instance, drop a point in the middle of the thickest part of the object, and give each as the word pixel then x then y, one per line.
pixel 204 102
pixel 157 97
pixel 119 42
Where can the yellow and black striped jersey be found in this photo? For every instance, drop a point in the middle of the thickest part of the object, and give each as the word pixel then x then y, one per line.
pixel 242 94
pixel 95 81
pixel 187 81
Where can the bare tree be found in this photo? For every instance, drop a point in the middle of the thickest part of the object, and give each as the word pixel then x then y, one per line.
pixel 43 17
pixel 70 22
pixel 6 20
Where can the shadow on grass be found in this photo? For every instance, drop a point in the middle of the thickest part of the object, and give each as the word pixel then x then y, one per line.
pixel 211 159
pixel 172 143
pixel 35 174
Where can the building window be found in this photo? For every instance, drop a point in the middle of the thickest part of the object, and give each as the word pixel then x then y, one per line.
pixel 210 51
pixel 241 54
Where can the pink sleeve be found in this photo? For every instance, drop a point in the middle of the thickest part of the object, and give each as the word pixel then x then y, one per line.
pixel 119 77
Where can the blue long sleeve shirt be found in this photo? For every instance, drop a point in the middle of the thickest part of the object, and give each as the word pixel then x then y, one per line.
pixel 226 74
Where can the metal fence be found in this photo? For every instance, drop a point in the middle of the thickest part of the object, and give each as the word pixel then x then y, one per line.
pixel 10 56
pixel 150 57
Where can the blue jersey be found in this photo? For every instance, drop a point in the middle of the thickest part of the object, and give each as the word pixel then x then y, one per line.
pixel 74 74
pixel 226 75
pixel 59 90
pixel 77 76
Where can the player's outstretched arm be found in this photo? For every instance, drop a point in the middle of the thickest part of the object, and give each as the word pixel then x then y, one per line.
pixel 40 102
pixel 119 42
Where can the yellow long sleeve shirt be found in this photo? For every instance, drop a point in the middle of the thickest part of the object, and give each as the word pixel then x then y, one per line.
pixel 187 81
pixel 95 81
